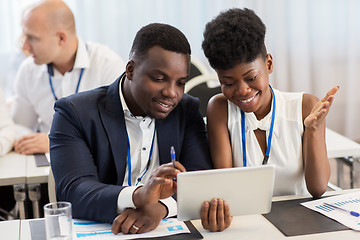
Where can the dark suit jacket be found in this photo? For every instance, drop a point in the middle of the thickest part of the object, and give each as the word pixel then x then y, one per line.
pixel 88 148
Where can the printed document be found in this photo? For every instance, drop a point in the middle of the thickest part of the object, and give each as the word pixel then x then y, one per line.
pixel 343 205
pixel 84 230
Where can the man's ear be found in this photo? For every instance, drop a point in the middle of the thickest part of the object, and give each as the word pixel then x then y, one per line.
pixel 269 63
pixel 62 37
pixel 130 66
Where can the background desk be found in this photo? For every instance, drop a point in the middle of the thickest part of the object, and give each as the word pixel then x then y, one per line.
pixel 34 174
pixel 21 172
pixel 346 152
pixel 34 177
pixel 12 169
pixel 13 172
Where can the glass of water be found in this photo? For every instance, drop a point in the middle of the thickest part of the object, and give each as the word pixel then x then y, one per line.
pixel 58 221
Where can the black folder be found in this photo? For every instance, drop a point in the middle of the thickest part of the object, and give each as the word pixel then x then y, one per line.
pixel 41 160
pixel 193 235
pixel 293 219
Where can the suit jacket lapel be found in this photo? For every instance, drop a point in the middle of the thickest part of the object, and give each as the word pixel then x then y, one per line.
pixel 114 123
pixel 168 135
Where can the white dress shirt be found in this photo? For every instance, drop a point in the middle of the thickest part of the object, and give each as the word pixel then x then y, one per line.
pixel 7 127
pixel 141 131
pixel 33 98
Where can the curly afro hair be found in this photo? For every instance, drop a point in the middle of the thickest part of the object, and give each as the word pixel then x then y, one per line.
pixel 234 36
pixel 158 34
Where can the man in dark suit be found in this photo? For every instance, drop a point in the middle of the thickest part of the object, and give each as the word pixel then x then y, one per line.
pixel 110 147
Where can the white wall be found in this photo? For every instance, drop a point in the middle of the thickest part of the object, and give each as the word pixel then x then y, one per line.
pixel 314 43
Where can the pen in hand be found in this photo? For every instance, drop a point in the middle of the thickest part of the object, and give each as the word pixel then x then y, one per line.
pixel 353 213
pixel 172 154
pixel 173 157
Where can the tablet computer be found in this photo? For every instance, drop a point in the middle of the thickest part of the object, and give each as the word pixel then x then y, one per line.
pixel 247 190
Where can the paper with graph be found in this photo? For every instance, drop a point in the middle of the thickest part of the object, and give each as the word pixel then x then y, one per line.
pixel 344 210
pixel 94 230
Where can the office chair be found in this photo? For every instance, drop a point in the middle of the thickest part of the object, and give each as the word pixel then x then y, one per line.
pixel 203 87
pixel 197 68
pixel 5 215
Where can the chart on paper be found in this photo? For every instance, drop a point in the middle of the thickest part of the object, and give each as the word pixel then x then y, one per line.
pixel 85 230
pixel 341 208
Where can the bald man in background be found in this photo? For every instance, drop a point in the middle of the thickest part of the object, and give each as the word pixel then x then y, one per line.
pixel 60 64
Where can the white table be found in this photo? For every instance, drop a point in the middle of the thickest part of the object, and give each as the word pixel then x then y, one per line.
pixel 251 227
pixel 346 152
pixel 257 227
pixel 10 230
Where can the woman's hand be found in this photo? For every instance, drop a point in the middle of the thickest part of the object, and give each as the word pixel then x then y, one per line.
pixel 215 215
pixel 320 110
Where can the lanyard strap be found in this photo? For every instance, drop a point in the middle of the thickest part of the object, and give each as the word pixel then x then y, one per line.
pixel 129 160
pixel 243 140
pixel 78 84
pixel 77 87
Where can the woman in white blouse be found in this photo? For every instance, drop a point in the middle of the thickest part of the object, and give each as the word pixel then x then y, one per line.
pixel 245 122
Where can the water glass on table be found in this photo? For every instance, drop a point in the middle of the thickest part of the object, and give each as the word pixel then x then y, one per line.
pixel 58 221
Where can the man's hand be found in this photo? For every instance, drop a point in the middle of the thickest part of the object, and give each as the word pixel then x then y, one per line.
pixel 139 220
pixel 32 143
pixel 215 216
pixel 160 185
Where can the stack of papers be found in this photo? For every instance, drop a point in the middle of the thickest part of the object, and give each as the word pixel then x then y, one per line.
pixel 341 208
pixel 94 230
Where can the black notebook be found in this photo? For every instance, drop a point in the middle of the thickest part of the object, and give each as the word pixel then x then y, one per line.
pixel 293 219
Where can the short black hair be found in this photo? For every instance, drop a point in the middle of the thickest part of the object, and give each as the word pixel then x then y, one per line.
pixel 234 36
pixel 158 34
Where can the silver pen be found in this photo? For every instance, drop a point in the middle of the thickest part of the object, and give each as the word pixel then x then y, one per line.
pixel 353 213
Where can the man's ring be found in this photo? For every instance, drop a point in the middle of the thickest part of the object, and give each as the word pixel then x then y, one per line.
pixel 135 227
